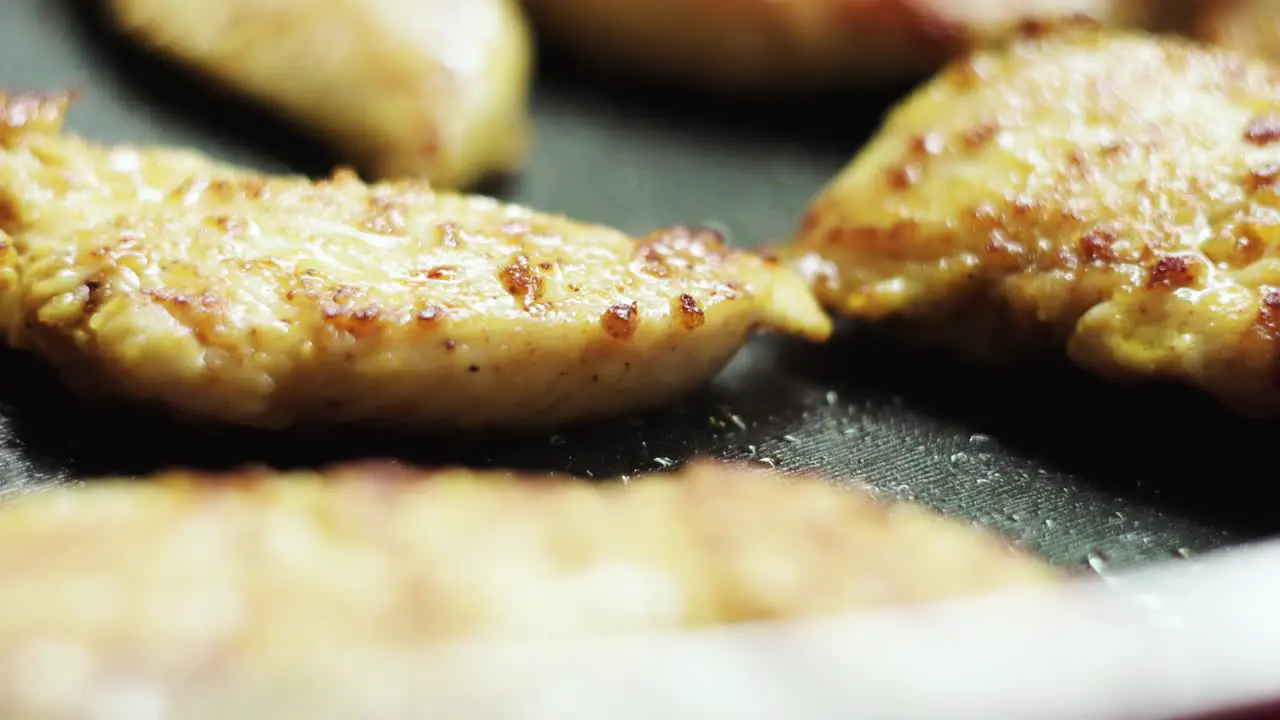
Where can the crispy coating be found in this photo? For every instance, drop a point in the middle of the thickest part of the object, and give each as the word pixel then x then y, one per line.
pixel 1113 194
pixel 421 88
pixel 162 276
pixel 186 572
pixel 753 44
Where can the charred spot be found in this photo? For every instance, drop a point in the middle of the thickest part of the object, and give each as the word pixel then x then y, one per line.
pixel 163 296
pixel 664 251
pixel 768 257
pixel 521 281
pixel 545 266
pixel 926 144
pixel 1256 179
pixel 431 314
pixel 1113 148
pixel 473 368
pixel 620 321
pixel 449 344
pixel 255 188
pixel 809 221
pixel 1269 314
pixel 1097 245
pixel 1171 271
pixel 964 74
pixel 227 223
pixel 903 177
pixel 442 272
pixel 10 219
pixel 1263 130
pixel 1040 27
pixel 977 137
pixel 691 315
pixel 449 234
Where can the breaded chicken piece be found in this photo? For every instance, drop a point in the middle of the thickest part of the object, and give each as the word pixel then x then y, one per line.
pixel 436 89
pixel 152 580
pixel 774 44
pixel 162 276
pixel 1111 194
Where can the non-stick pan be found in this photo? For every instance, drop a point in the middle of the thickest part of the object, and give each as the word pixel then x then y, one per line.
pixel 1090 474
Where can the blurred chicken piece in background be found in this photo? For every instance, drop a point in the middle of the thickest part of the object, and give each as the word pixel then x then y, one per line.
pixel 759 44
pixel 434 89
pixel 1251 26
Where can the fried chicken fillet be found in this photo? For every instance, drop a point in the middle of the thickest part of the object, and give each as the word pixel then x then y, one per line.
pixel 1111 194
pixel 775 44
pixel 162 276
pixel 186 572
pixel 436 89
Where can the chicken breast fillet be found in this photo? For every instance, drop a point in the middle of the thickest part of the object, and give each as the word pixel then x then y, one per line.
pixel 401 88
pixel 253 571
pixel 1113 194
pixel 165 277
pixel 754 44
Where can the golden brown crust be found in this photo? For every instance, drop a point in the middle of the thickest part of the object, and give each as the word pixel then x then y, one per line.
pixel 1112 193
pixel 774 44
pixel 162 276
pixel 403 88
pixel 209 572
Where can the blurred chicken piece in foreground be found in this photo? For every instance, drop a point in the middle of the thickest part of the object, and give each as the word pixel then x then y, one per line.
pixel 245 573
pixel 401 88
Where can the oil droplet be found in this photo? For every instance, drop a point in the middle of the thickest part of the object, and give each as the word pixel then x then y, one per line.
pixel 768 461
pixel 791 438
pixel 958 457
pixel 1185 553
pixel 752 451
pixel 558 440
pixel 626 479
pixel 663 462
pixel 979 439
pixel 1098 561
pixel 832 397
pixel 1049 523
pixel 737 421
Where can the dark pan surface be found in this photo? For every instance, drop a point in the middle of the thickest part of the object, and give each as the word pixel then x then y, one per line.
pixel 1085 472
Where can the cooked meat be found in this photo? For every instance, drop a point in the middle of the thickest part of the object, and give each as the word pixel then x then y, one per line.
pixel 162 276
pixel 138 580
pixel 401 88
pixel 1251 26
pixel 739 44
pixel 1113 194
